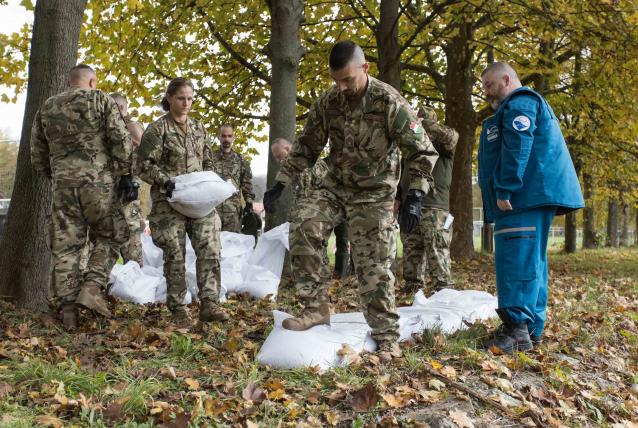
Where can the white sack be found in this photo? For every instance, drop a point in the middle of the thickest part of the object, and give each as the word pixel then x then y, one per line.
pixel 196 194
pixel 317 346
pixel 130 283
pixel 152 255
pixel 270 251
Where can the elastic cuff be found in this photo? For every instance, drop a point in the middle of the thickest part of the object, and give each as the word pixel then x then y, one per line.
pixel 503 195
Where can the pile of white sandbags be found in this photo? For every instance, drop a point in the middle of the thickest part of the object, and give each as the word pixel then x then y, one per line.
pixel 319 346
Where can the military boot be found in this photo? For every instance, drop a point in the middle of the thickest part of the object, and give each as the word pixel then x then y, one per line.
pixel 91 298
pixel 388 351
pixel 181 318
pixel 209 311
pixel 308 319
pixel 69 316
pixel 411 287
pixel 510 337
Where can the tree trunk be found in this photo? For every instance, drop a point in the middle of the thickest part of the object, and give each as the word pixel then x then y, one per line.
pixel 590 237
pixel 612 223
pixel 636 228
pixel 571 219
pixel 386 33
pixel 624 221
pixel 459 114
pixel 285 52
pixel 25 256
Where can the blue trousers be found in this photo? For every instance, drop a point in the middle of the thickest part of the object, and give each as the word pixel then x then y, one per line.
pixel 521 266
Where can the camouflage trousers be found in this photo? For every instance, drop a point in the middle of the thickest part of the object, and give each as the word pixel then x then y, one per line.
pixel 168 230
pixel 230 214
pixel 427 251
pixel 78 211
pixel 372 236
pixel 132 248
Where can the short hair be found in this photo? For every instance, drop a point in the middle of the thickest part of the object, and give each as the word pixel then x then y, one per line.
pixel 80 71
pixel 173 86
pixel 119 97
pixel 502 67
pixel 279 141
pixel 343 52
pixel 226 125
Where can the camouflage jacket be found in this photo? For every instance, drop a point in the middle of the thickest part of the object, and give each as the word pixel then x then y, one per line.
pixel 166 151
pixel 79 137
pixel 234 167
pixel 308 180
pixel 444 140
pixel 365 144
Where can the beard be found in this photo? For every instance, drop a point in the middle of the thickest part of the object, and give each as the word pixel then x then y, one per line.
pixel 494 103
pixel 226 145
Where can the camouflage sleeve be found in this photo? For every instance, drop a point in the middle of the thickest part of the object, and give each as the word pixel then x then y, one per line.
pixel 319 171
pixel 207 161
pixel 443 137
pixel 118 137
pixel 307 147
pixel 416 148
pixel 149 156
pixel 39 148
pixel 247 182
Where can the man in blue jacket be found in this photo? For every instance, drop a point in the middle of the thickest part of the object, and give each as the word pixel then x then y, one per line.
pixel 526 177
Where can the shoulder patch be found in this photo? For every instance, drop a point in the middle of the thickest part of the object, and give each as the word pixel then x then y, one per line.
pixel 521 123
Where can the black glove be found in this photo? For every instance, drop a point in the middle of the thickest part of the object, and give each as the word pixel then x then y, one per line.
pixel 169 186
pixel 271 196
pixel 410 213
pixel 127 189
pixel 221 176
pixel 248 208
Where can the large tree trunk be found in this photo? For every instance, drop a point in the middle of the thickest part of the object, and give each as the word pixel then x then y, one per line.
pixel 612 223
pixel 459 114
pixel 285 52
pixel 386 33
pixel 624 221
pixel 25 256
pixel 590 237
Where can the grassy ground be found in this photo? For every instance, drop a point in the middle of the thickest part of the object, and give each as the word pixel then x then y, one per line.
pixel 137 371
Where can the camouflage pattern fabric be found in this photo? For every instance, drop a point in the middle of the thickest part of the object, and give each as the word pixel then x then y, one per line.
pixel 81 143
pixel 426 251
pixel 235 168
pixel 306 182
pixel 372 234
pixel 168 150
pixel 168 230
pixel 132 249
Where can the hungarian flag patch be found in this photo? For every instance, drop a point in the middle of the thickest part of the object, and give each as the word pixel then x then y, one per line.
pixel 415 127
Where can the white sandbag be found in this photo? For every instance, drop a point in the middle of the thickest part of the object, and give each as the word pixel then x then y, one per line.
pixel 317 346
pixel 196 194
pixel 236 244
pixel 160 294
pixel 259 282
pixel 270 251
pixel 152 255
pixel 133 285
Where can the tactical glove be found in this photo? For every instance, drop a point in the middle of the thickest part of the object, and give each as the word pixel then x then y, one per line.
pixel 271 196
pixel 248 208
pixel 127 189
pixel 169 186
pixel 410 214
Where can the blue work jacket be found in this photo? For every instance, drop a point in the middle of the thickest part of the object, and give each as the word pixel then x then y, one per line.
pixel 523 158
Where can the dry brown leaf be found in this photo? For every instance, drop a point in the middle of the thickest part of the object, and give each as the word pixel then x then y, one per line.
pixel 49 421
pixel 436 384
pixel 193 384
pixel 449 372
pixel 333 418
pixel 5 389
pixel 347 355
pixel 461 419
pixel 253 393
pixel 214 407
pixel 365 398
pixel 504 385
pixel 251 424
pixel 395 401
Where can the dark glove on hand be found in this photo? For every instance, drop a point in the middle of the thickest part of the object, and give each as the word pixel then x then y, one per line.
pixel 222 177
pixel 410 214
pixel 169 186
pixel 271 196
pixel 248 208
pixel 127 189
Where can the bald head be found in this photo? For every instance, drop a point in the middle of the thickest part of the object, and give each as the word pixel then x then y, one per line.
pixel 499 80
pixel 280 148
pixel 83 76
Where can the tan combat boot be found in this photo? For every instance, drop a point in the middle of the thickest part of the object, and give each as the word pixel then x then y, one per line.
pixel 69 316
pixel 308 319
pixel 209 311
pixel 91 298
pixel 181 318
pixel 388 351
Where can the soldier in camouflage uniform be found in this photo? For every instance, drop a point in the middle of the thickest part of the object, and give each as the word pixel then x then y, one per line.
pixel 369 126
pixel 173 145
pixel 80 142
pixel 428 249
pixel 231 165
pixel 132 249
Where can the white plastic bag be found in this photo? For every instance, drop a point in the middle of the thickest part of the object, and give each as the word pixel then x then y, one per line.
pixel 196 194
pixel 133 285
pixel 152 255
pixel 271 249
